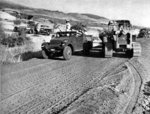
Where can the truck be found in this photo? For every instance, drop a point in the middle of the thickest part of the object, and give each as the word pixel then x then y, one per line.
pixel 123 41
pixel 118 37
pixel 112 41
pixel 115 40
pixel 65 43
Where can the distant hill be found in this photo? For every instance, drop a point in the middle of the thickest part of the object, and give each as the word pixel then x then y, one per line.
pixel 94 16
pixel 6 4
pixel 56 16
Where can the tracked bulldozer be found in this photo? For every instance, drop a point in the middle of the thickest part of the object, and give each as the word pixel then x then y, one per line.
pixel 118 38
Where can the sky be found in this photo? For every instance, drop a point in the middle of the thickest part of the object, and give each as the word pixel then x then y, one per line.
pixel 137 11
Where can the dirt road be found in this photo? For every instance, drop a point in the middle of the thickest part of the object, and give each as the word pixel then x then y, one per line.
pixel 35 85
pixel 82 84
pixel 143 102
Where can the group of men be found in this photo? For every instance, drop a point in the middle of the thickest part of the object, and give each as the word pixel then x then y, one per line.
pixel 119 30
pixel 38 27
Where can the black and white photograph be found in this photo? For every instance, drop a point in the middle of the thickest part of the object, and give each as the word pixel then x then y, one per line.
pixel 74 56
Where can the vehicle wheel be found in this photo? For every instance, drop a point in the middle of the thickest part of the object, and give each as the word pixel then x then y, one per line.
pixel 45 54
pixel 67 53
pixel 108 51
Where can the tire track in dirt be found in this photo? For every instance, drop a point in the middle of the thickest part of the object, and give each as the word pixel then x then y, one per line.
pixel 59 81
pixel 69 100
pixel 9 68
pixel 58 78
pixel 30 78
pixel 56 72
pixel 135 69
pixel 22 67
pixel 49 89
pixel 84 85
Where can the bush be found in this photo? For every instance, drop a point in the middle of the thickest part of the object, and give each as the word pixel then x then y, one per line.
pixel 14 54
pixel 17 22
pixel 12 41
pixel 2 34
pixel 15 39
pixel 12 46
pixel 79 27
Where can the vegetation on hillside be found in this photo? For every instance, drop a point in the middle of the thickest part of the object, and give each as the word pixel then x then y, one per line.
pixel 6 4
pixel 79 27
pixel 12 46
pixel 57 16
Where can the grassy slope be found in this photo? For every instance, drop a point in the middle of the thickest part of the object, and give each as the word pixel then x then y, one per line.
pixel 57 16
pixel 11 5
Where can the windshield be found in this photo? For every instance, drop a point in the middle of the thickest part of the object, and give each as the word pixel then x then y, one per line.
pixel 65 34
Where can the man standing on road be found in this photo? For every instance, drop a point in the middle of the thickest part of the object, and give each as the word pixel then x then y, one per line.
pixel 68 25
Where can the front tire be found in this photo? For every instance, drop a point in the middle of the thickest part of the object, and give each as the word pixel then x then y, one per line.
pixel 45 54
pixel 67 53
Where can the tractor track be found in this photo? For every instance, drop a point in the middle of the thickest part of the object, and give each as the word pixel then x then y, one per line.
pixel 14 69
pixel 31 77
pixel 68 79
pixel 137 71
pixel 66 101
pixel 42 96
pixel 47 77
pixel 94 83
pixel 38 102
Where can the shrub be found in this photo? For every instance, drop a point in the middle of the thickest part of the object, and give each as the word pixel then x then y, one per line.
pixel 2 34
pixel 17 22
pixel 79 27
pixel 15 39
pixel 12 46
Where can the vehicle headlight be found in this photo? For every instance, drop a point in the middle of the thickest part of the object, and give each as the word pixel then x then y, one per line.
pixel 64 42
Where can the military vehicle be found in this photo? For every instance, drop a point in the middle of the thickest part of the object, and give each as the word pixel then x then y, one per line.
pixel 120 40
pixel 45 30
pixel 65 43
pixel 144 32
pixel 115 40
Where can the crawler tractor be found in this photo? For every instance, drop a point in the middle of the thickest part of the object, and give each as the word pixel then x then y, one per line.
pixel 115 40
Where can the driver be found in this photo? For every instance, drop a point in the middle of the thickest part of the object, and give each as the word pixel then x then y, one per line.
pixel 121 31
pixel 68 25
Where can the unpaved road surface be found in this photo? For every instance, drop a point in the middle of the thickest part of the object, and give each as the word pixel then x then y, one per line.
pixel 78 86
pixel 38 84
pixel 143 102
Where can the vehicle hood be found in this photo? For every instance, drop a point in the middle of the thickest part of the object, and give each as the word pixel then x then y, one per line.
pixel 58 40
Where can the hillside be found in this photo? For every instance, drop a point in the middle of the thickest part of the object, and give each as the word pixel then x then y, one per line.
pixel 56 16
pixel 5 4
pixel 94 16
